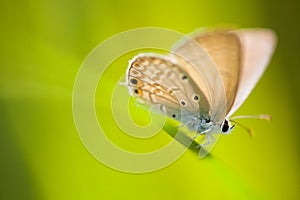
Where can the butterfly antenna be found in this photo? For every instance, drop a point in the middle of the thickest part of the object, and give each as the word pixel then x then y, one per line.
pixel 261 116
pixel 249 130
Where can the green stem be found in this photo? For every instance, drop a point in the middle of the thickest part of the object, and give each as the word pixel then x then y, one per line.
pixel 181 135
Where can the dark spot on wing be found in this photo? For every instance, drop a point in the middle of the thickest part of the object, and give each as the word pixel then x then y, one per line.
pixel 183 103
pixel 184 77
pixel 133 81
pixel 196 97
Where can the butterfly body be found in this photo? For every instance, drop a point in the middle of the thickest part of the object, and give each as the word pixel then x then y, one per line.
pixel 184 84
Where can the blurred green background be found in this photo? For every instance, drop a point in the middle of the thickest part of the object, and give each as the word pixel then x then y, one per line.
pixel 43 44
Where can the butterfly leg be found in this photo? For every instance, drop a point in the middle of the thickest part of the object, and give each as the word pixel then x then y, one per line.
pixel 200 133
pixel 197 135
pixel 208 137
pixel 209 140
pixel 194 138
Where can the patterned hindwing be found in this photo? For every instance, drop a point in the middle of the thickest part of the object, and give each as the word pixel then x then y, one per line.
pixel 159 81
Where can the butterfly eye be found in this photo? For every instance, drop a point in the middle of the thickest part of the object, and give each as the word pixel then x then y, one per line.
pixel 183 103
pixel 173 115
pixel 226 127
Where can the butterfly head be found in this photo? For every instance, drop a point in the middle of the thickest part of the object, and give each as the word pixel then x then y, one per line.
pixel 226 127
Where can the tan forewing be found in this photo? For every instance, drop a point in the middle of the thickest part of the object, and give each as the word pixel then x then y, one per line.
pixel 224 49
pixel 215 56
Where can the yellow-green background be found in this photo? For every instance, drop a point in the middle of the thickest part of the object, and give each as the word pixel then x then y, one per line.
pixel 43 44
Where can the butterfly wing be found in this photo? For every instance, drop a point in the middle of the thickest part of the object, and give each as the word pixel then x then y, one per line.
pixel 240 57
pixel 223 47
pixel 257 48
pixel 158 80
pixel 220 60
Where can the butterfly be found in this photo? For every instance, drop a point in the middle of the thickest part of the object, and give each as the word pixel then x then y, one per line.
pixel 204 79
